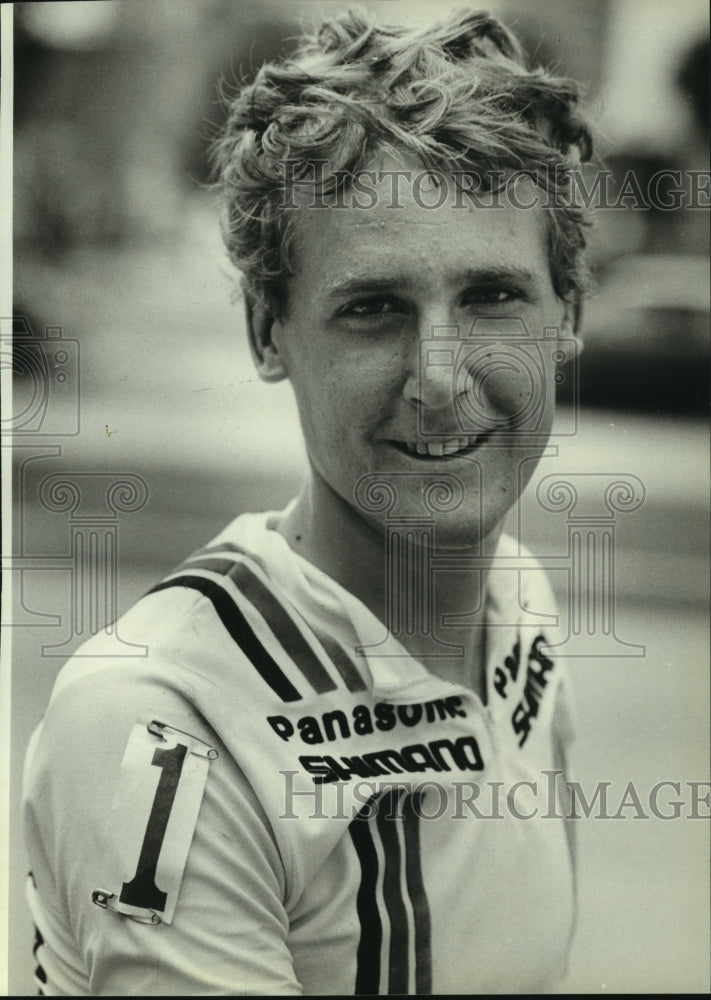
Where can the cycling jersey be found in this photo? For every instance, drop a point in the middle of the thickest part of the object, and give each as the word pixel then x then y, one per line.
pixel 277 798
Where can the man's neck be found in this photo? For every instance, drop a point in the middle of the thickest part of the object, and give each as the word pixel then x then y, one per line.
pixel 396 583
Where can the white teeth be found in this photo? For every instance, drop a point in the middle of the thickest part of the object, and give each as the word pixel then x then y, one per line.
pixel 436 449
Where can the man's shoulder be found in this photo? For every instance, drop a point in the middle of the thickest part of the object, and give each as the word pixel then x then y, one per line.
pixel 189 652
pixel 218 634
pixel 179 657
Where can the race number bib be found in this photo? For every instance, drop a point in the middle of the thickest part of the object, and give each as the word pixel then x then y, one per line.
pixel 152 821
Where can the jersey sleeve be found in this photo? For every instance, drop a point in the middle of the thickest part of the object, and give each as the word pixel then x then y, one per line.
pixel 227 933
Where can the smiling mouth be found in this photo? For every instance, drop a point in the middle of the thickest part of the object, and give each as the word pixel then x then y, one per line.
pixel 451 447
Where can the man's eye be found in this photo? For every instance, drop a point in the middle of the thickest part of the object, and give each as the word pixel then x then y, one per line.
pixel 493 296
pixel 371 308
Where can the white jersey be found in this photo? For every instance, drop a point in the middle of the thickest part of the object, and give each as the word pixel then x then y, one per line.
pixel 278 799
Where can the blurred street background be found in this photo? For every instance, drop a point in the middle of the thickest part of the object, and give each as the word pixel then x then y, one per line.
pixel 131 362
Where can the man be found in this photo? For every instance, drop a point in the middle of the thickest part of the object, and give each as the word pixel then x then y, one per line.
pixel 312 782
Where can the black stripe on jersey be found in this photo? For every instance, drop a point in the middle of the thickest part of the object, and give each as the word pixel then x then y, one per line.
pixel 40 974
pixel 283 627
pixel 394 903
pixel 390 811
pixel 239 629
pixel 371 928
pixel 416 892
pixel 266 603
pixel 341 661
pixel 275 615
pixel 214 564
pixel 39 940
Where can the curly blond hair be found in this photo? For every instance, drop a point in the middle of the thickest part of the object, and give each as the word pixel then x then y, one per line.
pixel 456 97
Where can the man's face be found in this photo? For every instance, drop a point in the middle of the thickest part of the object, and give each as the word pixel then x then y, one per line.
pixel 414 341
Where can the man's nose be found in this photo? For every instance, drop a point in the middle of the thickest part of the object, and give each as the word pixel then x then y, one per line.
pixel 431 366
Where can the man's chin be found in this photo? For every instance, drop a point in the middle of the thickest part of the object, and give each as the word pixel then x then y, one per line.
pixel 447 533
pixel 466 538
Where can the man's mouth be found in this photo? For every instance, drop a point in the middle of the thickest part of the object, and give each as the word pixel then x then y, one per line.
pixel 442 447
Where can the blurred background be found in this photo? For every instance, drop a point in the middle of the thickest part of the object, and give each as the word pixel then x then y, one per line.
pixel 131 361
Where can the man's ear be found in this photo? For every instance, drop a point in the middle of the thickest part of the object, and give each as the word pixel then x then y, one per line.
pixel 572 324
pixel 260 323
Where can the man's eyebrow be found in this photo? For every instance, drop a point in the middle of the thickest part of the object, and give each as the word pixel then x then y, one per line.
pixel 467 277
pixel 357 286
pixel 495 273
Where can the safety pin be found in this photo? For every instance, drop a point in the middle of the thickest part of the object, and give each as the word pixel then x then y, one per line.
pixel 157 728
pixel 103 898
